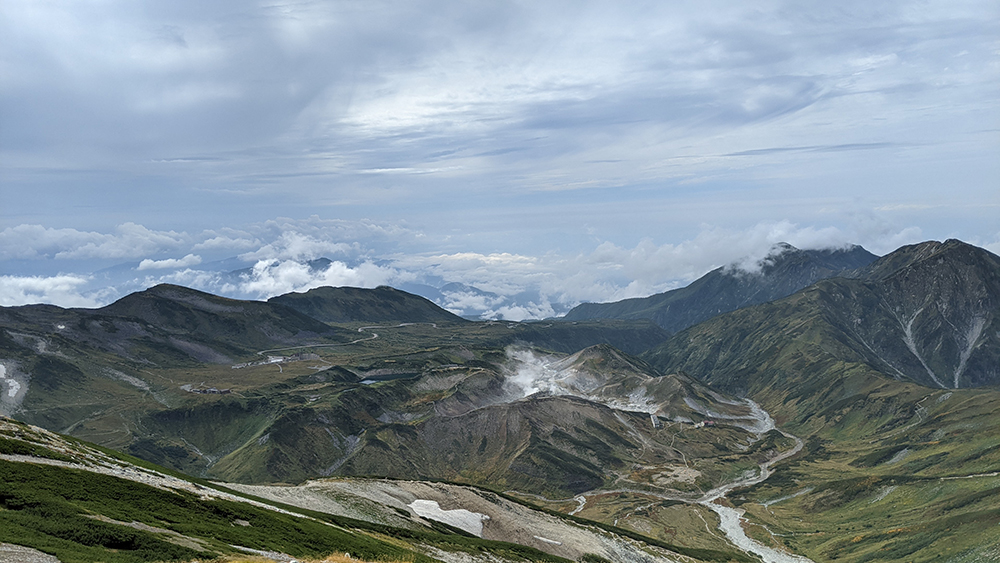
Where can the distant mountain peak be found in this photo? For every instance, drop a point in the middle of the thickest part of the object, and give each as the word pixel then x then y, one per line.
pixel 785 270
pixel 355 304
pixel 910 256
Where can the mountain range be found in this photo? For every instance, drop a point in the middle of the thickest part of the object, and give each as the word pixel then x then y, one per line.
pixel 843 402
pixel 784 271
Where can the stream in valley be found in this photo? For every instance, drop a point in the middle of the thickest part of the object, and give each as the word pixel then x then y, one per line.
pixel 730 518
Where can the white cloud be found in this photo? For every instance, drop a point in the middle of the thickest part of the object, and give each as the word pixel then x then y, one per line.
pixel 61 290
pixel 226 242
pixel 170 263
pixel 518 286
pixel 469 302
pixel 270 278
pixel 521 312
pixel 296 246
pixel 129 240
pixel 612 272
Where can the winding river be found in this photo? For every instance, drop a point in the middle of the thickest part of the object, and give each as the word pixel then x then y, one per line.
pixel 758 422
pixel 730 519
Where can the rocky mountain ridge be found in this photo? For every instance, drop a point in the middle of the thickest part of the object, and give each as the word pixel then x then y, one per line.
pixel 785 271
pixel 927 313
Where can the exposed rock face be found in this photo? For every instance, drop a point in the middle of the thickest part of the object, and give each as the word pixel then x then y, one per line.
pixel 943 303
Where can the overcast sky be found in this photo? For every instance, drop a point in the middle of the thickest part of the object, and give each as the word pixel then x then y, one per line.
pixel 572 150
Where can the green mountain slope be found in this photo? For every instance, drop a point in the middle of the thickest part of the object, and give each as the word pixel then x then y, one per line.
pixel 928 314
pixel 540 424
pixel 726 289
pixel 185 378
pixel 895 468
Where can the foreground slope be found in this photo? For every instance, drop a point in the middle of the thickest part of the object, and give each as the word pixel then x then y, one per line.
pixel 71 500
pixel 786 271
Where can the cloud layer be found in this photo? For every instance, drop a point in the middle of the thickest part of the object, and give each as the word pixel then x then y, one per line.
pixel 178 116
pixel 295 256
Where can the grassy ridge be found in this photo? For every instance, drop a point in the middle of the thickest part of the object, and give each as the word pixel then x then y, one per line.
pixel 52 509
pixel 46 508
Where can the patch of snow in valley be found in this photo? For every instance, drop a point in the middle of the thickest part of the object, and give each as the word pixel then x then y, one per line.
pixel 547 540
pixel 768 503
pixel 12 385
pixel 758 421
pixel 460 518
pixel 971 337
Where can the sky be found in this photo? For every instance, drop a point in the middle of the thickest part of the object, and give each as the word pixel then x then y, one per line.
pixel 534 155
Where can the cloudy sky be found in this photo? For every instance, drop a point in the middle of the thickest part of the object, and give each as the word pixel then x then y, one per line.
pixel 555 152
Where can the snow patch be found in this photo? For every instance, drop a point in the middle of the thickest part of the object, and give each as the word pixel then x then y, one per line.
pixel 971 337
pixel 547 540
pixel 768 503
pixel 460 518
pixel 912 345
pixel 757 422
pixel 130 379
pixel 12 386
